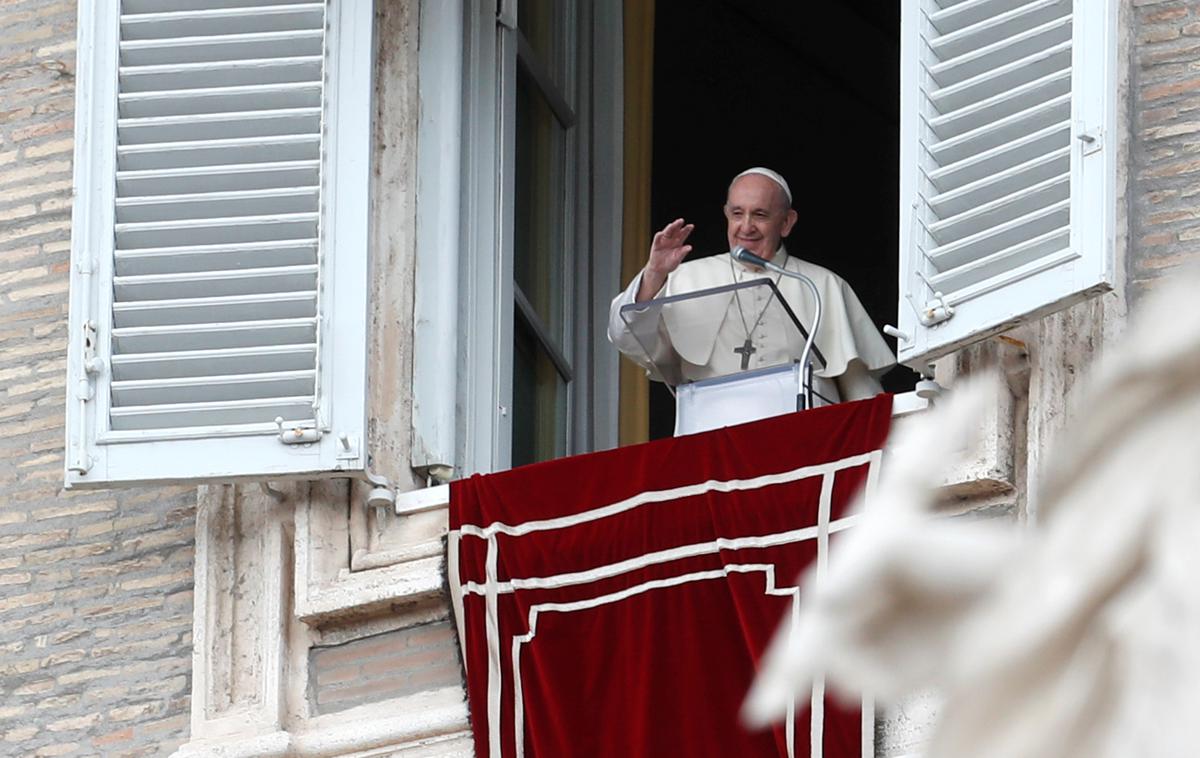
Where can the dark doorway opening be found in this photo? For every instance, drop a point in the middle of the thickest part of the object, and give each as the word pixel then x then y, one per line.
pixel 809 89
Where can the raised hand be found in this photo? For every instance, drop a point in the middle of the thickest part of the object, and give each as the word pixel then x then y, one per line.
pixel 667 251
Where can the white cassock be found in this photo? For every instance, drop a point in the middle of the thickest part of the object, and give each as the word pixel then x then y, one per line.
pixel 699 339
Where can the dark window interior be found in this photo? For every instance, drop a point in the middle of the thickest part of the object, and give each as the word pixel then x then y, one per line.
pixel 809 89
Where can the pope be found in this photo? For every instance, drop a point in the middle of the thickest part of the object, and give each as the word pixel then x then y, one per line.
pixel 742 330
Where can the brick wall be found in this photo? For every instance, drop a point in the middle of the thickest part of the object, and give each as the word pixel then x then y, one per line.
pixel 1165 175
pixel 394 664
pixel 95 588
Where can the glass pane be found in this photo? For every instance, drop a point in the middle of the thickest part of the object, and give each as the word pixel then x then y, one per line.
pixel 539 400
pixel 538 20
pixel 540 210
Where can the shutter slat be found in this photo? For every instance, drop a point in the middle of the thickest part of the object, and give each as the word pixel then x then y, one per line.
pixel 214 362
pixel 216 283
pixel 997 238
pixel 997 27
pixel 227 47
pixel 243 151
pixel 971 195
pixel 217 231
pixel 138 131
pixel 198 23
pixel 215 336
pixel 1026 148
pixel 211 389
pixel 214 310
pixel 1001 106
pixel 130 7
pixel 997 133
pixel 952 16
pixel 1000 53
pixel 173 260
pixel 253 71
pixel 1003 79
pixel 1050 255
pixel 1007 208
pixel 202 415
pixel 219 204
pixel 220 99
pixel 247 176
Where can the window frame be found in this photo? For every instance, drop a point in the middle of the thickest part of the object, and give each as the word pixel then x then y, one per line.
pixel 482 374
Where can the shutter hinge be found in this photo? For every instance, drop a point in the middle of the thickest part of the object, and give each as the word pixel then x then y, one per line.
pixel 298 433
pixel 935 311
pixel 85 391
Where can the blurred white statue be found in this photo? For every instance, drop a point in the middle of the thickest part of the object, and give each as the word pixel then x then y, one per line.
pixel 1078 637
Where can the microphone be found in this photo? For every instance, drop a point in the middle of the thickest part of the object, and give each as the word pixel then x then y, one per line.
pixel 745 256
pixel 740 253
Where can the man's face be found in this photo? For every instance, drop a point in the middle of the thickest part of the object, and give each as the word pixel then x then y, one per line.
pixel 757 215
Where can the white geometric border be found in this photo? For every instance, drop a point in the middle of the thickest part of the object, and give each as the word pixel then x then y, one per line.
pixel 492 587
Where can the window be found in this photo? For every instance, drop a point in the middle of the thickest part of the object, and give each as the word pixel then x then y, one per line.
pixel 542 230
pixel 537 232
pixel 219 240
pixel 1007 165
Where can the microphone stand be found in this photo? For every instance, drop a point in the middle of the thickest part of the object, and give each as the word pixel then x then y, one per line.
pixel 745 256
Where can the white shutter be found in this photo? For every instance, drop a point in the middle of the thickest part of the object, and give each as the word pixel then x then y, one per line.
pixel 1007 165
pixel 219 244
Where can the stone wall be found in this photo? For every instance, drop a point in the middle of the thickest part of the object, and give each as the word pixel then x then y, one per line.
pixel 95 588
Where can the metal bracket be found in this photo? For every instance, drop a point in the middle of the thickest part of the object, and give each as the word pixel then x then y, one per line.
pixel 1092 139
pixel 297 434
pixel 348 447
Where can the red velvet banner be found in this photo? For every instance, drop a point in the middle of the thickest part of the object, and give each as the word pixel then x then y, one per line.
pixel 618 603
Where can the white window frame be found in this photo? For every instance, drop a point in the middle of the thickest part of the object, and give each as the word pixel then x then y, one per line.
pixel 468 126
pixel 1092 206
pixel 94 459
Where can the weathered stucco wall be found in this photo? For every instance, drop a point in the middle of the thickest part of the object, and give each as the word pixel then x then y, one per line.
pixel 95 588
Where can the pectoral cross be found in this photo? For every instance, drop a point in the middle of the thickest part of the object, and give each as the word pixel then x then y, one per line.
pixel 746 350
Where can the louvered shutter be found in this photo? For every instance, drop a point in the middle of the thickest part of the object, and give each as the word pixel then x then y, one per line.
pixel 219 244
pixel 1007 165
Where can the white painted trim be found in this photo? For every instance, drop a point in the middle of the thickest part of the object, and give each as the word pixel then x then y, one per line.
pixel 439 197
pixel 345 229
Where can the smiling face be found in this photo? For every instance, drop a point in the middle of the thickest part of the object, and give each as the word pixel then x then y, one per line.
pixel 757 215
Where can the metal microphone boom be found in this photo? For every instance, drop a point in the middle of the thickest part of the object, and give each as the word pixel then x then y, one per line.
pixel 745 256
